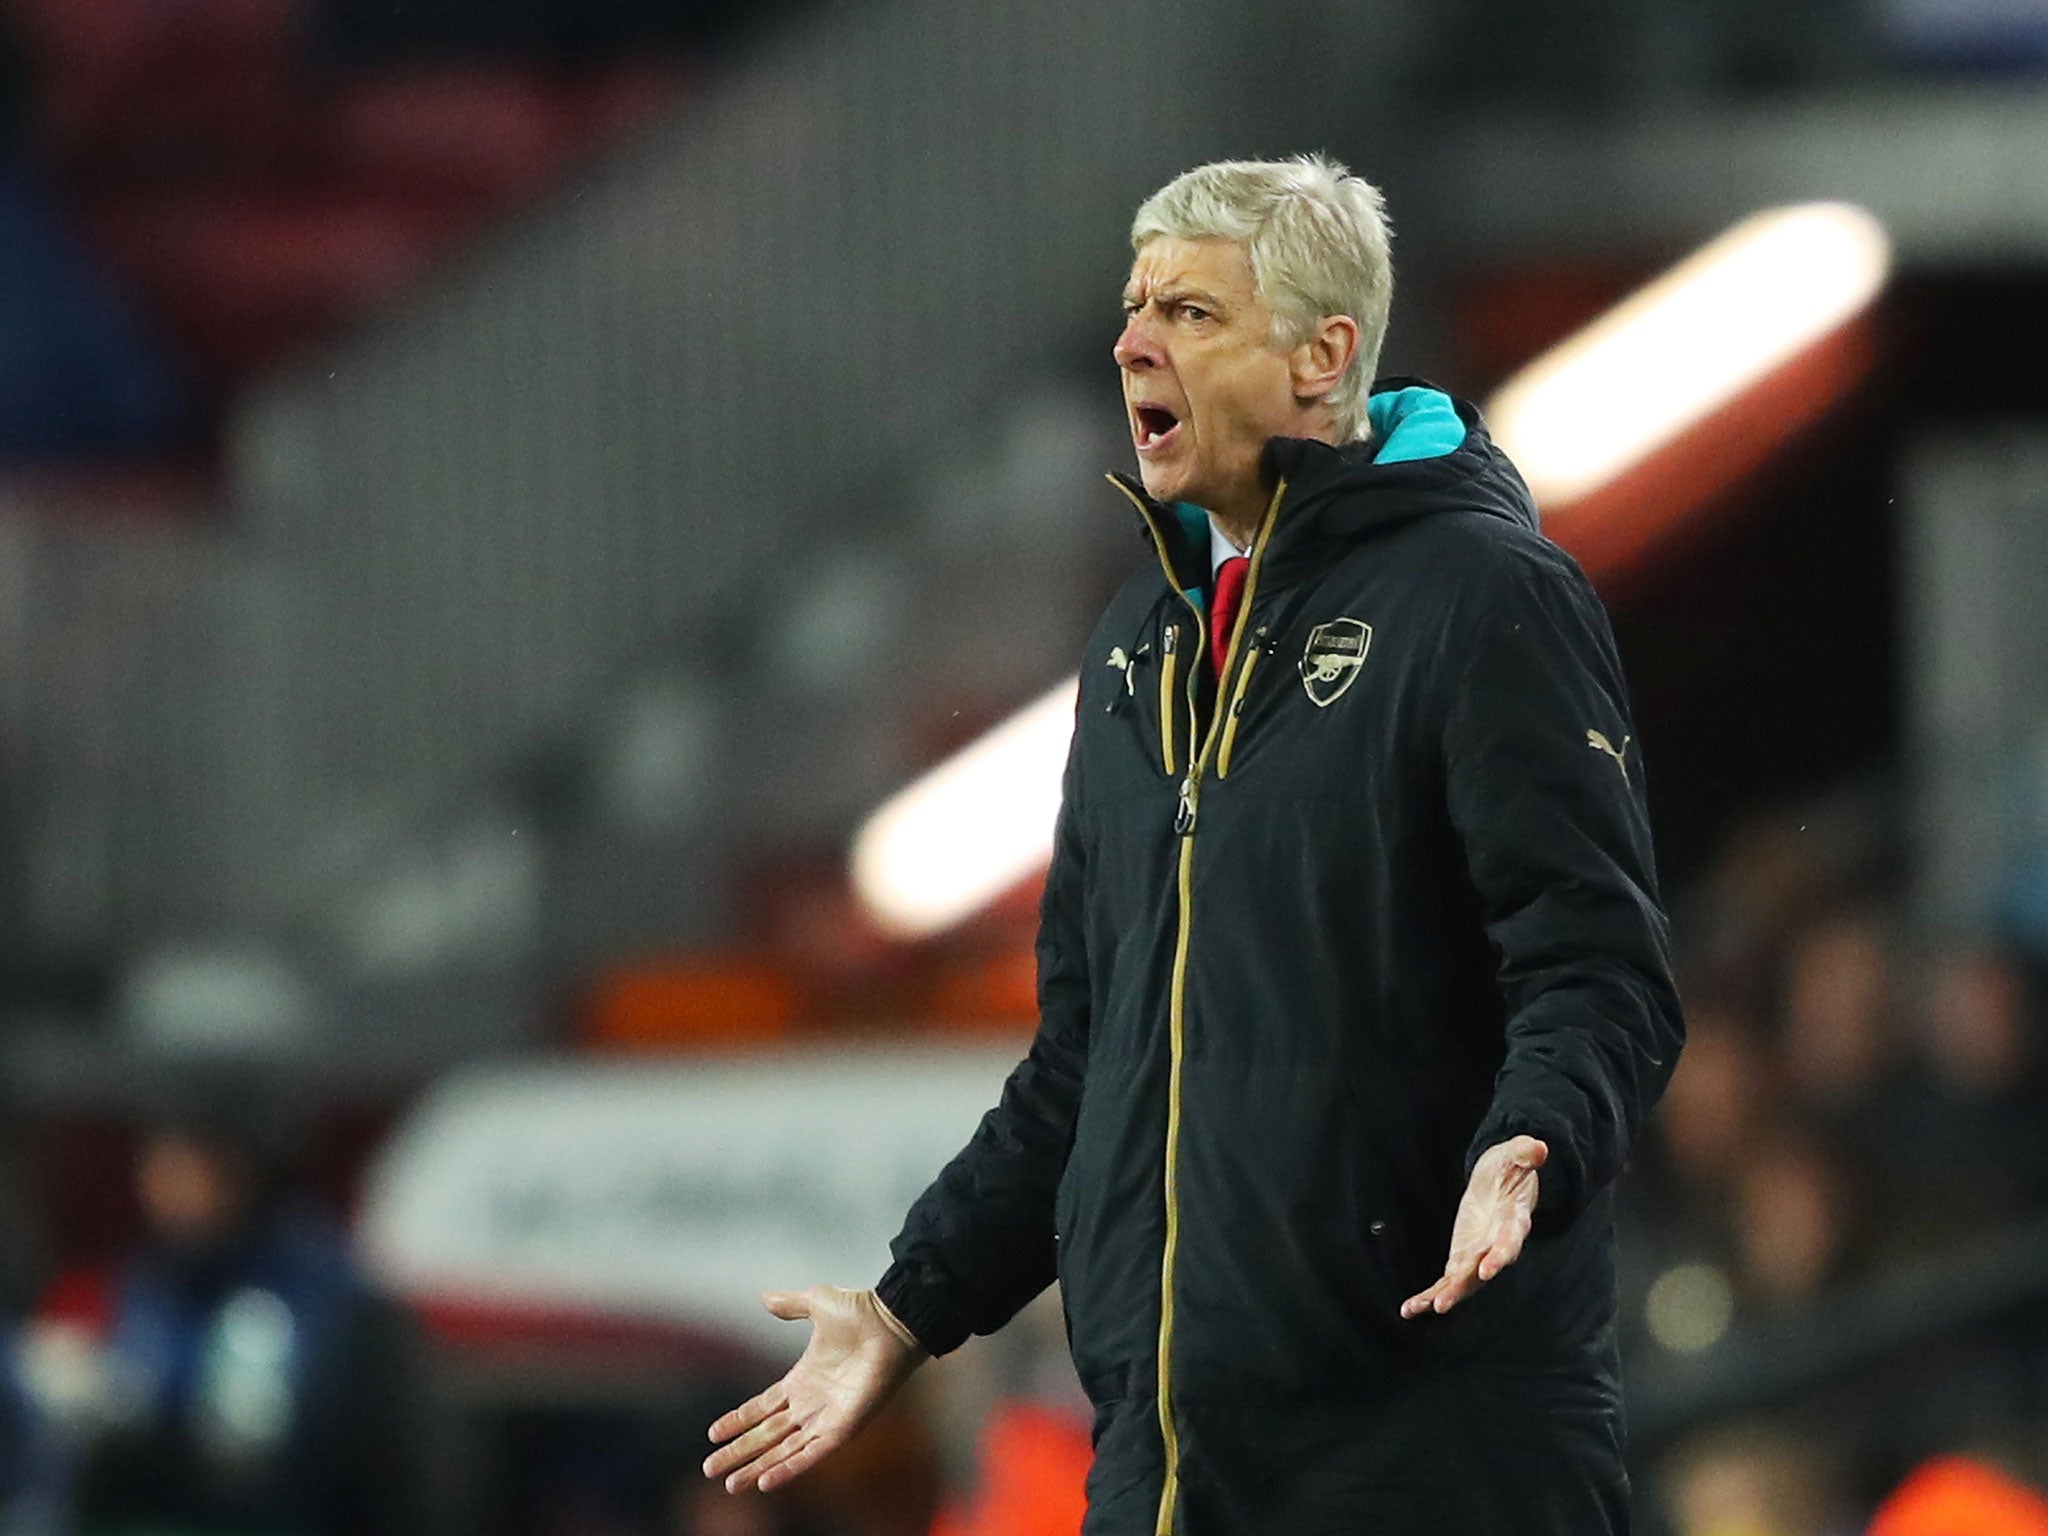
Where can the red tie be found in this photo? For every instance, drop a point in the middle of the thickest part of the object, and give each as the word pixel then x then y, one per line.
pixel 1230 577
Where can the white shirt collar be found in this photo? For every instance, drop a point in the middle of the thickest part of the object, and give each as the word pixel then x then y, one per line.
pixel 1220 547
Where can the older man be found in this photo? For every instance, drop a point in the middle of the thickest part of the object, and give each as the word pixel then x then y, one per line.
pixel 1353 982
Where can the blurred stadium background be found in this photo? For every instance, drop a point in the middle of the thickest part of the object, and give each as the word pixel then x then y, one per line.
pixel 489 497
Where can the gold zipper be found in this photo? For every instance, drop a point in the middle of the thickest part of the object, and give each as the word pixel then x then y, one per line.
pixel 1176 1019
pixel 1244 678
pixel 1169 671
pixel 1176 1014
pixel 1168 667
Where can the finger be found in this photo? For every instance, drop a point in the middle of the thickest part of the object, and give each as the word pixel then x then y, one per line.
pixel 768 1471
pixel 787 1305
pixel 1455 1291
pixel 1462 1262
pixel 773 1400
pixel 749 1476
pixel 1531 1152
pixel 1421 1302
pixel 801 1461
pixel 762 1437
pixel 1461 1279
pixel 768 1433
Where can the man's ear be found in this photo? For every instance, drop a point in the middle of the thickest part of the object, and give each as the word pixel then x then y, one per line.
pixel 1319 362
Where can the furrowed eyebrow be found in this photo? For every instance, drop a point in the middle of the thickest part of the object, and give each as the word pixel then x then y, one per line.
pixel 1178 296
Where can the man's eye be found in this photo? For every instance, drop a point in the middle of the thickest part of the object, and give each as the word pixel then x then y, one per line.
pixel 1193 312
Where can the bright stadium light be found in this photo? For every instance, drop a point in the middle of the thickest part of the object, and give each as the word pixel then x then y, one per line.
pixel 956 839
pixel 1673 353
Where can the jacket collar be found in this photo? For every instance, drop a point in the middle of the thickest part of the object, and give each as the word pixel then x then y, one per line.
pixel 1428 453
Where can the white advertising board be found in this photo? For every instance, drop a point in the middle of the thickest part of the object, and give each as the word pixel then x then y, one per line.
pixel 670 1191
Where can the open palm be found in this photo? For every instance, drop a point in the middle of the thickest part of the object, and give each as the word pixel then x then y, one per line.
pixel 854 1361
pixel 1493 1222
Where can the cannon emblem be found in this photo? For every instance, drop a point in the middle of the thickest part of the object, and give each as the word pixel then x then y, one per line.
pixel 1332 657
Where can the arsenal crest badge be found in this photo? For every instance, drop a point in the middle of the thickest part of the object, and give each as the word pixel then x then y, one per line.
pixel 1331 659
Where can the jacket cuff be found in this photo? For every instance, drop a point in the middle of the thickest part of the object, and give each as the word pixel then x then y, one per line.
pixel 922 1307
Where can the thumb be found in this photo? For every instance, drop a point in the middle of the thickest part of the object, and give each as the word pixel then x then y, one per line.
pixel 1532 1153
pixel 787 1305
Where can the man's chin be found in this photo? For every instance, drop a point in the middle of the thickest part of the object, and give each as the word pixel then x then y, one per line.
pixel 1161 483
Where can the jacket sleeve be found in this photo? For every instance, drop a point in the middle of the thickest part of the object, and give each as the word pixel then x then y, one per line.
pixel 979 1243
pixel 1544 783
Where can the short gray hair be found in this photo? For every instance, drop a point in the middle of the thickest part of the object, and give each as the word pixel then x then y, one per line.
pixel 1316 238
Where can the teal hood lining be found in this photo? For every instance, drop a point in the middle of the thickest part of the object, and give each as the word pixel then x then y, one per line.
pixel 1409 424
pixel 1414 423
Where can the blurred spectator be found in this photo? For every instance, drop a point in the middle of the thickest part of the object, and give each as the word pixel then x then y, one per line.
pixel 1978 1036
pixel 1840 1037
pixel 1796 1216
pixel 1769 877
pixel 79 377
pixel 1837 1007
pixel 1972 1119
pixel 701 1508
pixel 1676 1250
pixel 1716 1104
pixel 1754 1480
pixel 1841 1108
pixel 259 1385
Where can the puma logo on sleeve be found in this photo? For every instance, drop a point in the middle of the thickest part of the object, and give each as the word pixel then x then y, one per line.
pixel 1600 743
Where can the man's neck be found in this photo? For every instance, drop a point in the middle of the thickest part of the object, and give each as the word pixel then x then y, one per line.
pixel 1240 525
pixel 1239 515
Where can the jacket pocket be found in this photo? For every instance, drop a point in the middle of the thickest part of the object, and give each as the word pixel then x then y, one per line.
pixel 1169 697
pixel 1258 646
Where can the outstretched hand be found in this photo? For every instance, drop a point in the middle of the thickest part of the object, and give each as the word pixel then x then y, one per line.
pixel 1492 1223
pixel 858 1355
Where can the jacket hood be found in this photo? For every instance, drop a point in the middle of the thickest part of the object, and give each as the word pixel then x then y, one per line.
pixel 1429 453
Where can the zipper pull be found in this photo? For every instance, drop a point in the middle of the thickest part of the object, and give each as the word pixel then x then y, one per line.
pixel 1184 816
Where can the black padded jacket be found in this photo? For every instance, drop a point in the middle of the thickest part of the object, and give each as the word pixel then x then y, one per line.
pixel 1310 942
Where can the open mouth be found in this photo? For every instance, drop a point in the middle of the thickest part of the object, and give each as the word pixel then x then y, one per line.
pixel 1155 424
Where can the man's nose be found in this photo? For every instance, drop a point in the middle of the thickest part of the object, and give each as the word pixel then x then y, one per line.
pixel 1136 347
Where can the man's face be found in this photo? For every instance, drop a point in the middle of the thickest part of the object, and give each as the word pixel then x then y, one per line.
pixel 1205 385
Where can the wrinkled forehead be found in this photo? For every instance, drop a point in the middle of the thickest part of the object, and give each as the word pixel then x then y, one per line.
pixel 1167 264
